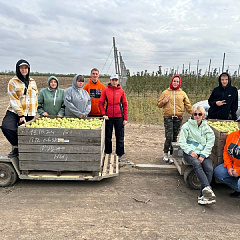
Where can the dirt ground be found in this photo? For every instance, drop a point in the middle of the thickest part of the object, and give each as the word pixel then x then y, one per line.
pixel 136 205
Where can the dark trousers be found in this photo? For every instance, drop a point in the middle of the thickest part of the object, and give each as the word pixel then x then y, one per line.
pixel 117 123
pixel 10 125
pixel 204 170
pixel 172 127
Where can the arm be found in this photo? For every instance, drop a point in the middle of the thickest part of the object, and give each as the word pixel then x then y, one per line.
pixel 62 109
pixel 234 106
pixel 88 105
pixel 40 103
pixel 226 157
pixel 102 102
pixel 69 105
pixel 125 107
pixel 187 104
pixel 161 102
pixel 183 140
pixel 211 100
pixel 210 139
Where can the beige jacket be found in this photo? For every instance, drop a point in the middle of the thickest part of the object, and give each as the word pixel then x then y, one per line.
pixel 178 100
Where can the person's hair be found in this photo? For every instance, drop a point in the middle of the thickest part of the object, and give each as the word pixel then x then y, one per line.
pixel 80 78
pixel 224 75
pixel 200 109
pixel 94 69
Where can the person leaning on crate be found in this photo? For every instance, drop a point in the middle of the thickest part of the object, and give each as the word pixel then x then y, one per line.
pixel 94 88
pixel 229 171
pixel 115 113
pixel 22 91
pixel 173 101
pixel 50 99
pixel 196 140
pixel 77 100
pixel 223 100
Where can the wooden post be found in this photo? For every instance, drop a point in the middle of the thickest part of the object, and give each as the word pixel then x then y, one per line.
pixel 223 62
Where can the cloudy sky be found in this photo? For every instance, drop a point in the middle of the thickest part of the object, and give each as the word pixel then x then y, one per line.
pixel 76 35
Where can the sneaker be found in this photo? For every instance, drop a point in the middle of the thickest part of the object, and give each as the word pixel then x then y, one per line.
pixel 235 194
pixel 208 193
pixel 170 159
pixel 165 157
pixel 13 153
pixel 204 201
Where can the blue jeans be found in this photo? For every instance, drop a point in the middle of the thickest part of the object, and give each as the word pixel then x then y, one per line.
pixel 221 173
pixel 204 170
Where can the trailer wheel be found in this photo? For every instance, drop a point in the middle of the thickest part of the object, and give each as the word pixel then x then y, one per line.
pixel 8 175
pixel 191 179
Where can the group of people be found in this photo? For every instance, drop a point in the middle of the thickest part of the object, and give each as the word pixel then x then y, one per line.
pixel 93 100
pixel 197 138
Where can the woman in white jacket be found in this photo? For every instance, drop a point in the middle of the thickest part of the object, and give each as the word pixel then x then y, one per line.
pixel 196 140
pixel 77 100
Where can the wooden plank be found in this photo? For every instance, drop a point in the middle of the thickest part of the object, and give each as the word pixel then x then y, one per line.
pixel 59 166
pixel 117 165
pixel 154 167
pixel 60 148
pixel 111 164
pixel 60 157
pixel 105 166
pixel 76 140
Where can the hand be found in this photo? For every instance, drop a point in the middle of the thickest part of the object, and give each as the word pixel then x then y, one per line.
pixel 22 119
pixel 220 103
pixel 230 171
pixel 82 116
pixel 234 173
pixel 166 99
pixel 45 114
pixel 59 116
pixel 125 122
pixel 105 117
pixel 201 159
pixel 194 155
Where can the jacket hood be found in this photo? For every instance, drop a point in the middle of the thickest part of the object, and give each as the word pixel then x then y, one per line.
pixel 194 122
pixel 229 79
pixel 49 79
pixel 180 81
pixel 110 86
pixel 74 82
pixel 18 73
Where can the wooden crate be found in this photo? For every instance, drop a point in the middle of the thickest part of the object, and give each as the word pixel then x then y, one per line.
pixel 61 149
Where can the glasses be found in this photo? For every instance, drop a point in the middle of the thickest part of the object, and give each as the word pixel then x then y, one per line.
pixel 199 114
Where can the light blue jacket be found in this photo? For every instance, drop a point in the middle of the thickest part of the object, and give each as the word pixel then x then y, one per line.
pixel 198 139
pixel 76 100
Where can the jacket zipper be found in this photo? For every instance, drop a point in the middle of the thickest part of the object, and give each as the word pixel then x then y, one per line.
pixel 113 99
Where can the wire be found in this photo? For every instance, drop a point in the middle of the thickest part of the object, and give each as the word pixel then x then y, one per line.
pixel 109 66
pixel 107 59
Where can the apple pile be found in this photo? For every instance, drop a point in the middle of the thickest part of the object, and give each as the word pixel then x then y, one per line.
pixel 224 126
pixel 45 122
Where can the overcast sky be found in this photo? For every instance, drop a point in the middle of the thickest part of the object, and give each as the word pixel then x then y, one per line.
pixel 76 35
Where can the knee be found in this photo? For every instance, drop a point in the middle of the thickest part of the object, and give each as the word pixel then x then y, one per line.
pixel 220 171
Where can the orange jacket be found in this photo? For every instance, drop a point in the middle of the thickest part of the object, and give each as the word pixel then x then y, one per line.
pixel 95 91
pixel 231 162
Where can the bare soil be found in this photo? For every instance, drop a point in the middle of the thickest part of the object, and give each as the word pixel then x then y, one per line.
pixel 135 205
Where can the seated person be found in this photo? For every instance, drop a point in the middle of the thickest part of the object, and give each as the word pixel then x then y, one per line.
pixel 77 100
pixel 229 171
pixel 197 139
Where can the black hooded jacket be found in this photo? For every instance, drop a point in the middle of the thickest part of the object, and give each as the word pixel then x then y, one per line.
pixel 228 93
pixel 20 76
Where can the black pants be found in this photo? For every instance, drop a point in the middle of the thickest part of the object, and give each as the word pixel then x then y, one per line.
pixel 10 125
pixel 119 134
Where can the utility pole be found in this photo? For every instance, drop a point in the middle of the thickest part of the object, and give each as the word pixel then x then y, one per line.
pixel 115 57
pixel 223 62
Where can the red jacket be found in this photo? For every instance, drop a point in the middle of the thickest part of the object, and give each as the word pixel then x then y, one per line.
pixel 116 102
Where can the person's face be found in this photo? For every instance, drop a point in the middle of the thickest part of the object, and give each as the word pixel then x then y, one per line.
pixel 94 76
pixel 114 82
pixel 175 82
pixel 53 83
pixel 24 70
pixel 80 83
pixel 197 115
pixel 224 81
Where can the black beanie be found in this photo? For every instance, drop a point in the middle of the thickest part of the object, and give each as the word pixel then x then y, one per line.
pixel 18 73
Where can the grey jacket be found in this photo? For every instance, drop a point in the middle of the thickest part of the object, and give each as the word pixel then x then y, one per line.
pixel 76 100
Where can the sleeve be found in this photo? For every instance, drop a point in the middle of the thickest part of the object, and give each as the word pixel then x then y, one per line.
pixel 183 140
pixel 86 87
pixel 40 103
pixel 125 106
pixel 36 103
pixel 14 99
pixel 69 105
pixel 101 102
pixel 210 139
pixel 228 163
pixel 62 109
pixel 234 106
pixel 187 104
pixel 211 100
pixel 160 103
pixel 88 106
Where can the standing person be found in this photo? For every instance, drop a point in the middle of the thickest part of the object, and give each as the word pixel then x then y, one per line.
pixel 50 99
pixel 229 171
pixel 115 114
pixel 77 100
pixel 173 101
pixel 22 92
pixel 94 88
pixel 196 140
pixel 223 100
